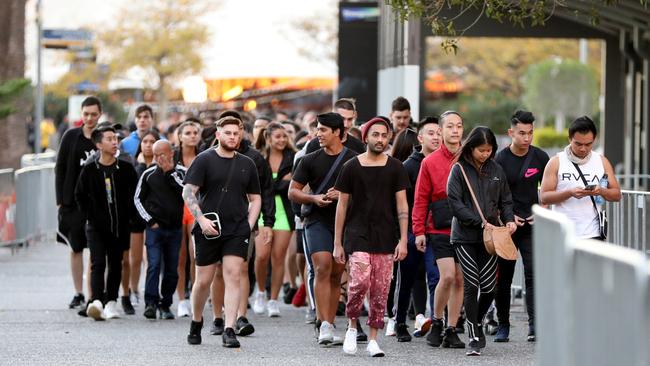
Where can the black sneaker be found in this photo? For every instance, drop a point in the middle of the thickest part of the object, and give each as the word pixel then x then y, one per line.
pixel 77 300
pixel 434 338
pixel 451 339
pixel 317 324
pixel 473 348
pixel 82 311
pixel 531 333
pixel 229 338
pixel 150 311
pixel 166 313
pixel 127 306
pixel 402 333
pixel 243 327
pixel 194 337
pixel 217 326
pixel 289 294
pixel 503 333
pixel 361 335
pixel 460 325
pixel 340 309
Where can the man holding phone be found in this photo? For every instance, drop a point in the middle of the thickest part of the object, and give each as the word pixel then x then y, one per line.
pixel 572 176
pixel 225 183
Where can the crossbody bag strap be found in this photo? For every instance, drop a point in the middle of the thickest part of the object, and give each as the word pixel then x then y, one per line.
pixel 337 162
pixel 471 192
pixel 584 180
pixel 224 189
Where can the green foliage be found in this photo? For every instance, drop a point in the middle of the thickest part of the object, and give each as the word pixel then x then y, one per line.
pixel 561 86
pixel 547 137
pixel 10 90
pixel 491 109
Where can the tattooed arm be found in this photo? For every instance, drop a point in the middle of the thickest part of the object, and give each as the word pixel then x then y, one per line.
pixel 189 196
pixel 403 218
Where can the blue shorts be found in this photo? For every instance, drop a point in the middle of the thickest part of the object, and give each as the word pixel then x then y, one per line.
pixel 320 238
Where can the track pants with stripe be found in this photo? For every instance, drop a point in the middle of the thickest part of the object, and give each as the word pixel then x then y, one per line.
pixel 479 274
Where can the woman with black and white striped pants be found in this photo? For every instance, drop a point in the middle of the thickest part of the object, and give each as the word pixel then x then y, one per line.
pixel 487 180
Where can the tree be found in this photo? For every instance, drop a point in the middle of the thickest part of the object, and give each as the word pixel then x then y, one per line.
pixel 522 13
pixel 161 37
pixel 566 87
pixel 316 36
pixel 13 129
pixel 9 92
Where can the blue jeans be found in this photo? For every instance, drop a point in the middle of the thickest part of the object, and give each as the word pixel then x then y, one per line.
pixel 433 274
pixel 163 246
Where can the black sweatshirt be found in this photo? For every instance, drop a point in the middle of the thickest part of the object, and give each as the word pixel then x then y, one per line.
pixel 159 197
pixel 266 182
pixel 74 151
pixel 104 195
pixel 412 166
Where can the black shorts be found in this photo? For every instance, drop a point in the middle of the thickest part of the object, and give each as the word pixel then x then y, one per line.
pixel 72 228
pixel 299 241
pixel 442 247
pixel 207 252
pixel 320 238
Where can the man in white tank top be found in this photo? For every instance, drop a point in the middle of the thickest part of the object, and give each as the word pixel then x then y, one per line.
pixel 564 188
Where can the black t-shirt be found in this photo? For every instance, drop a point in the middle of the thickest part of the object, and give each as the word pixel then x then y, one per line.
pixel 311 170
pixel 523 185
pixel 371 222
pixel 351 142
pixel 209 171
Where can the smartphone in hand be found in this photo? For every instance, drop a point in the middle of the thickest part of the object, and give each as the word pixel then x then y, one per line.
pixel 590 187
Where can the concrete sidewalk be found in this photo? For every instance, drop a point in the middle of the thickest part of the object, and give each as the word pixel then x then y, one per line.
pixel 37 328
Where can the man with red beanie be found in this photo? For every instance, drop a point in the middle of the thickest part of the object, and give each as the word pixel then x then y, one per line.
pixel 432 216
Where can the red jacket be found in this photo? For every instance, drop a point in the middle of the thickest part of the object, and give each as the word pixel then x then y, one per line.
pixel 431 186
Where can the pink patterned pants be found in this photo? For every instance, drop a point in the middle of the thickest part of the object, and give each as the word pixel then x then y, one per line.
pixel 369 273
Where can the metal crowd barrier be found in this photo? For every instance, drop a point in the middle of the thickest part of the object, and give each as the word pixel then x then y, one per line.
pixel 28 160
pixel 7 208
pixel 36 212
pixel 591 298
pixel 629 224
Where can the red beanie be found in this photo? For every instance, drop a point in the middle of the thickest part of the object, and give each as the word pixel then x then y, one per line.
pixel 372 122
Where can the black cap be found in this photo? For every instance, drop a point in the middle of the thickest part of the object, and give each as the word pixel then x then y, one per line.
pixel 331 120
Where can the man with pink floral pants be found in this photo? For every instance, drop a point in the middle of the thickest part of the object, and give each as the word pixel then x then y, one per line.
pixel 372 205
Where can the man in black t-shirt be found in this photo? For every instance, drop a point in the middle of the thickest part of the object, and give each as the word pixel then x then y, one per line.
pixel 372 204
pixel 75 149
pixel 222 191
pixel 313 169
pixel 524 167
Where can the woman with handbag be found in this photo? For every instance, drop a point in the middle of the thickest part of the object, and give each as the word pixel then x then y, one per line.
pixel 480 200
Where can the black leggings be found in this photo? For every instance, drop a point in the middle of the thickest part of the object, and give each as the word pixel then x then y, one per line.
pixel 506 269
pixel 105 250
pixel 479 274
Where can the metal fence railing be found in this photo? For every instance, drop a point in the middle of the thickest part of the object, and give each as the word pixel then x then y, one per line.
pixel 36 212
pixel 586 292
pixel 629 223
pixel 7 208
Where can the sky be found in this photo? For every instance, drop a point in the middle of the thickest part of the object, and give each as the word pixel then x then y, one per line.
pixel 262 48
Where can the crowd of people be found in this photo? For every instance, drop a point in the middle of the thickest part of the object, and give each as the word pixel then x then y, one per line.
pixel 348 218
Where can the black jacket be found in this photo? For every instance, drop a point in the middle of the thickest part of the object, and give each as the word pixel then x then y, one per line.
pixel 69 164
pixel 281 186
pixel 492 192
pixel 412 166
pixel 266 182
pixel 159 197
pixel 93 200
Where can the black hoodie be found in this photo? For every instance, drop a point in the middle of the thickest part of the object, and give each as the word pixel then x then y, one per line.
pixel 104 195
pixel 74 151
pixel 266 182
pixel 412 166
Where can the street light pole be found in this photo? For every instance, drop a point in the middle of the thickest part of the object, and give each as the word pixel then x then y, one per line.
pixel 38 115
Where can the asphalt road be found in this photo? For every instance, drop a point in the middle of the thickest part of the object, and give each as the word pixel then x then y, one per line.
pixel 36 328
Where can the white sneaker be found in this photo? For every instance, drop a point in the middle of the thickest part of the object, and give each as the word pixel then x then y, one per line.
pixel 390 328
pixel 110 311
pixel 350 343
pixel 260 303
pixel 135 299
pixel 325 336
pixel 336 341
pixel 95 310
pixel 422 325
pixel 374 350
pixel 273 309
pixel 184 309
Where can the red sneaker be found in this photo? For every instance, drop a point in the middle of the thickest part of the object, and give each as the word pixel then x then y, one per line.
pixel 300 297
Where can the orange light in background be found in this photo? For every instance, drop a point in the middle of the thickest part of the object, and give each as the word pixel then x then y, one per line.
pixel 232 92
pixel 195 90
pixel 250 105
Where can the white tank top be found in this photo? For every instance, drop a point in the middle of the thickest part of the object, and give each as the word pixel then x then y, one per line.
pixel 580 211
